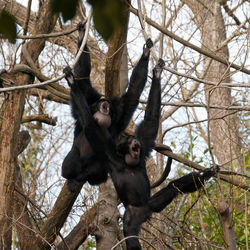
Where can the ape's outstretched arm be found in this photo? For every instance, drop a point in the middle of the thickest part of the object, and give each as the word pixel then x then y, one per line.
pixel 130 99
pixel 83 111
pixel 186 184
pixel 82 70
pixel 147 130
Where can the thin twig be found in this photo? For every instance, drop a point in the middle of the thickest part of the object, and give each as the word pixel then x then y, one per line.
pixel 184 104
pixel 50 35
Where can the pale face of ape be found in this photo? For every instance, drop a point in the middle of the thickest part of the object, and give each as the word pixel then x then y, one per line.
pixel 134 150
pixel 103 114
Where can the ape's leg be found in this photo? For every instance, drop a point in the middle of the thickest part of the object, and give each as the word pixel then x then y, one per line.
pixel 132 221
pixel 72 169
pixel 186 184
pixel 97 173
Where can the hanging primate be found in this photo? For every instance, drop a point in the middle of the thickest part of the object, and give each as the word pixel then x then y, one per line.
pixel 81 163
pixel 127 166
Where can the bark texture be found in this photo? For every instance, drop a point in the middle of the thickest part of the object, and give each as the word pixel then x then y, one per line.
pixel 114 58
pixel 12 114
pixel 227 225
pixel 87 225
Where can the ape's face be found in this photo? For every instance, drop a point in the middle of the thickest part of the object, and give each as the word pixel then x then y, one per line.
pixel 102 113
pixel 104 107
pixel 130 149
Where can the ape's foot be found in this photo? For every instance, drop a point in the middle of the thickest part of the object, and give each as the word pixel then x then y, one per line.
pixel 81 33
pixel 68 75
pixel 210 172
pixel 73 185
pixel 149 43
pixel 158 68
pixel 147 46
pixel 161 63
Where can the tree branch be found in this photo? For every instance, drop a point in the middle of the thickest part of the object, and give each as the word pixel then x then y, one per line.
pixel 209 54
pixel 50 35
pixel 58 215
pixel 86 226
pixel 40 118
pixel 227 225
pixel 165 150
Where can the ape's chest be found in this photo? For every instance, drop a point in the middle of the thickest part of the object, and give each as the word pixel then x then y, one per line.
pixel 132 180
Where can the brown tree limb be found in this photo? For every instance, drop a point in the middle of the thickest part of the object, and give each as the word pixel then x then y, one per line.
pixel 227 225
pixel 113 59
pixel 11 118
pixel 86 226
pixel 198 105
pixel 45 94
pixel 231 14
pixel 40 118
pixel 58 215
pixel 14 105
pixel 19 11
pixel 55 34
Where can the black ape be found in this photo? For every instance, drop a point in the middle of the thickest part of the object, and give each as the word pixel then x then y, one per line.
pixel 82 164
pixel 127 167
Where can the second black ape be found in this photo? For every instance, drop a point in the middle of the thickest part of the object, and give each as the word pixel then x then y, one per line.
pixel 127 166
pixel 81 163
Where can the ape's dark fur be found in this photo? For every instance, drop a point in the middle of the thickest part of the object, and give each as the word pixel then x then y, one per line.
pixel 82 164
pixel 127 166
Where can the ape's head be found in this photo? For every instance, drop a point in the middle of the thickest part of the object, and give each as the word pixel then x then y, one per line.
pixel 102 112
pixel 130 148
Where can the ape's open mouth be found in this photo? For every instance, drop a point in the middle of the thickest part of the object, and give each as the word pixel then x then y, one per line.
pixel 105 108
pixel 136 148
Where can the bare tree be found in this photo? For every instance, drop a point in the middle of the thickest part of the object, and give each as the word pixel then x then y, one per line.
pixel 205 45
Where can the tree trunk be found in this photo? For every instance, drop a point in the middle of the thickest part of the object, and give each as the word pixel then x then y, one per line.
pixel 114 60
pixel 12 115
pixel 108 229
pixel 224 132
pixel 26 233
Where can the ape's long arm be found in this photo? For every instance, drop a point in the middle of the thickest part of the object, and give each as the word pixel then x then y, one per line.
pixel 83 112
pixel 186 184
pixel 147 130
pixel 82 71
pixel 128 102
